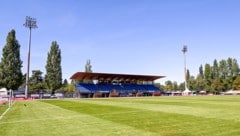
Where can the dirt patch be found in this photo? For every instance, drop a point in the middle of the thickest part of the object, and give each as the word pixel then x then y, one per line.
pixel 2 102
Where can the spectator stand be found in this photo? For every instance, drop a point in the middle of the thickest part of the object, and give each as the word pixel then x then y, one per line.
pixel 114 85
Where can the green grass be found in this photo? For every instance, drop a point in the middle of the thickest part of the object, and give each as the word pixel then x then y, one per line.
pixel 3 108
pixel 152 116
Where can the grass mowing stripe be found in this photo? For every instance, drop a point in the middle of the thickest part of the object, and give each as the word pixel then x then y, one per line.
pixel 1 116
pixel 62 118
pixel 39 118
pixel 7 108
pixel 164 116
pixel 152 121
pixel 3 107
pixel 116 114
pixel 227 112
pixel 197 100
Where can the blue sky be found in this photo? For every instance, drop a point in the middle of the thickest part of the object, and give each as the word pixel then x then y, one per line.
pixel 126 36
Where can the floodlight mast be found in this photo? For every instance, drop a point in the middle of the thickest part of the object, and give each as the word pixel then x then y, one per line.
pixel 30 23
pixel 184 50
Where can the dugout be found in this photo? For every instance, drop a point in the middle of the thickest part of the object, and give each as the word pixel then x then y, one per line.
pixel 114 85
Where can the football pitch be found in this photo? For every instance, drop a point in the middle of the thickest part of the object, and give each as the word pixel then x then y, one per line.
pixel 142 116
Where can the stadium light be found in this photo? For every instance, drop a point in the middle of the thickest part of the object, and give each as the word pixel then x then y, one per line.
pixel 184 50
pixel 30 23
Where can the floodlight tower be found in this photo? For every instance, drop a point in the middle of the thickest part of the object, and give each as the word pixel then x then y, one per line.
pixel 184 50
pixel 30 23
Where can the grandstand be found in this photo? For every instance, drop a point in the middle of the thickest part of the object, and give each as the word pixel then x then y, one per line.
pixel 114 85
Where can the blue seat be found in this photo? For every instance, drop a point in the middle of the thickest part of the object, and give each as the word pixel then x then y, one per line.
pixel 123 89
pixel 86 88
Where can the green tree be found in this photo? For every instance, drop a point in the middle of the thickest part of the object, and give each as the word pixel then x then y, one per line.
pixel 68 89
pixel 235 68
pixel 223 69
pixel 227 83
pixel 192 83
pixel 65 82
pixel 199 83
pixel 181 86
pixel 217 86
pixel 207 77
pixel 233 71
pixel 168 85
pixel 215 69
pixel 236 83
pixel 11 64
pixel 158 85
pixel 230 67
pixel 220 76
pixel 201 73
pixel 188 77
pixel 227 73
pixel 53 68
pixel 64 87
pixel 88 67
pixel 36 82
pixel 175 86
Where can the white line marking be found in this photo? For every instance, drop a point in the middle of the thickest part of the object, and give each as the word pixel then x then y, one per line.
pixel 6 111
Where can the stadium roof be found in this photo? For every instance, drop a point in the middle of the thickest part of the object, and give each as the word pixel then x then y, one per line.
pixel 112 77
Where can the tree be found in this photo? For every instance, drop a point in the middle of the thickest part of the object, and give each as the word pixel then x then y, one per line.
pixel 11 64
pixel 53 68
pixel 68 89
pixel 168 85
pixel 230 67
pixel 64 87
pixel 201 72
pixel 158 85
pixel 36 82
pixel 65 82
pixel 36 77
pixel 220 76
pixel 199 83
pixel 192 83
pixel 181 86
pixel 188 77
pixel 233 71
pixel 228 77
pixel 223 69
pixel 175 86
pixel 215 69
pixel 207 77
pixel 216 86
pixel 88 67
pixel 227 83
pixel 236 83
pixel 235 68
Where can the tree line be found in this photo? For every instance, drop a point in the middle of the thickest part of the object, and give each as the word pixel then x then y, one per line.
pixel 11 76
pixel 219 77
